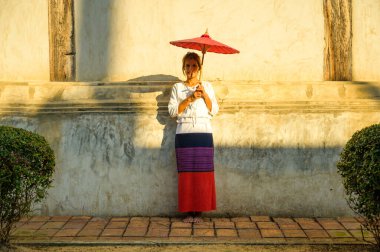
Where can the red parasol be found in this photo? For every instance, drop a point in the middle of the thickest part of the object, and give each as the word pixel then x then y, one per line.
pixel 204 44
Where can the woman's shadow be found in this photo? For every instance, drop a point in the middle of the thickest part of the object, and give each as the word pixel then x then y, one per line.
pixel 162 83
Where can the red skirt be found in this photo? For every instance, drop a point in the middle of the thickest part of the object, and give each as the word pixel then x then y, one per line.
pixel 196 191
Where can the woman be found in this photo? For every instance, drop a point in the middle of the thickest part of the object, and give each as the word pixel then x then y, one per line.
pixel 193 103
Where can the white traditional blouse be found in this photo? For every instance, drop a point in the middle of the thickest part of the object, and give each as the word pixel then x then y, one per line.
pixel 197 111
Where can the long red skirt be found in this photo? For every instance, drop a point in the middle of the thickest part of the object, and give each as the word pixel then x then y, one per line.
pixel 196 191
pixel 195 165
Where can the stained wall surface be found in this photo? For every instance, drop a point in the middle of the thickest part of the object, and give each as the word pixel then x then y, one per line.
pixel 279 131
pixel 276 144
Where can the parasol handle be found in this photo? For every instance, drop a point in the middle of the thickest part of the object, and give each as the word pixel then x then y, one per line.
pixel 200 72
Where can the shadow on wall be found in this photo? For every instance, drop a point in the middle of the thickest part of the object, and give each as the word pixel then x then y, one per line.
pixel 155 78
pixel 93 33
pixel 93 40
pixel 162 102
pixel 369 89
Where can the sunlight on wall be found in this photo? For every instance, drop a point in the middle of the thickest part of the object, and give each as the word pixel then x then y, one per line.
pixel 122 40
pixel 24 40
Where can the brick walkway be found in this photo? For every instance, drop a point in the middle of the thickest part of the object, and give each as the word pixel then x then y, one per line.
pixel 243 230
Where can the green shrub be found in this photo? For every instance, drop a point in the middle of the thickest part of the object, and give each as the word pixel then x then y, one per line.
pixel 359 166
pixel 26 169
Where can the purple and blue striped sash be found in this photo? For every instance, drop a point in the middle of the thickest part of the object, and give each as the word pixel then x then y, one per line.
pixel 194 152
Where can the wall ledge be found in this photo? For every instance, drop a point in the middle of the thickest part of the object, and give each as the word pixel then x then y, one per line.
pixel 29 98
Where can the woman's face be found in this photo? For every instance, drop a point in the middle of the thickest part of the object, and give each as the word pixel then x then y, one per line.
pixel 191 68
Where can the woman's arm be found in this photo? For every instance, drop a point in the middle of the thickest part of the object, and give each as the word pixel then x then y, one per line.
pixel 207 101
pixel 211 98
pixel 173 103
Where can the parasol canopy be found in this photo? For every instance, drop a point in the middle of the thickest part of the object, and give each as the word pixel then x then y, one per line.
pixel 204 44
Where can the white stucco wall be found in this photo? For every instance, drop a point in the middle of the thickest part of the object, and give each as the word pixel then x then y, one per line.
pixel 366 40
pixel 122 40
pixel 24 40
pixel 127 39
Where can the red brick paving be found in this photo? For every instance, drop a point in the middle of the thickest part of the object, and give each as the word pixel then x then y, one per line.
pixel 358 234
pixel 159 224
pixel 267 225
pixel 289 225
pixel 53 224
pixel 271 233
pixel 45 232
pixel 158 232
pixel 135 231
pixel 283 220
pixel 260 229
pixel 117 224
pixel 249 233
pixel 204 232
pixel 68 232
pixel 309 225
pixel 181 224
pixel 33 225
pixel 226 232
pixel 90 231
pixel 245 225
pixel 328 223
pixel 74 225
pixel 113 232
pixel 316 233
pixel 351 225
pixel 339 233
pixel 137 223
pixel 203 225
pixel 224 224
pixel 180 232
pixel 294 233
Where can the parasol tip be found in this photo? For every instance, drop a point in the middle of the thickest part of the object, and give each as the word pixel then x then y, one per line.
pixel 205 35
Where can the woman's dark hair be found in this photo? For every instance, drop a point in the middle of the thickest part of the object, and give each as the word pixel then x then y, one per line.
pixel 191 55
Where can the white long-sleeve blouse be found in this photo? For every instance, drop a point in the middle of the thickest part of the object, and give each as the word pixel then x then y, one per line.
pixel 197 111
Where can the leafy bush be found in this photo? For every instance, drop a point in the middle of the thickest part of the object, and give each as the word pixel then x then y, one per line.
pixel 26 169
pixel 359 166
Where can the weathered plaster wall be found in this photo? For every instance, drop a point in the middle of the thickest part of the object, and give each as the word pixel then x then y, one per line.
pixel 366 40
pixel 24 40
pixel 276 144
pixel 128 39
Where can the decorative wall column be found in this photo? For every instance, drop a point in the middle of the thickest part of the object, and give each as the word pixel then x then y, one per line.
pixel 338 40
pixel 62 40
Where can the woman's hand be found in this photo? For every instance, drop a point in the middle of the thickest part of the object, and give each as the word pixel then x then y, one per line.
pixel 200 91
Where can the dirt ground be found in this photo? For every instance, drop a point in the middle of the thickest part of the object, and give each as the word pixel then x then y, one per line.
pixel 198 248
